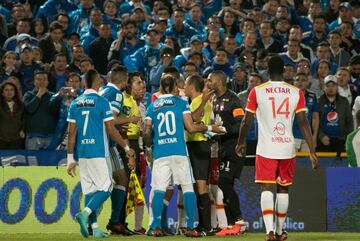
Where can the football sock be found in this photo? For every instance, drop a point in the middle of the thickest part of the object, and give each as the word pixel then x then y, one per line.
pixel 281 207
pixel 267 208
pixel 231 200
pixel 213 212
pixel 151 196
pixel 97 200
pixel 220 210
pixel 117 201
pixel 199 208
pixel 164 221
pixel 139 214
pixel 92 215
pixel 205 210
pixel 190 208
pixel 157 206
pixel 180 206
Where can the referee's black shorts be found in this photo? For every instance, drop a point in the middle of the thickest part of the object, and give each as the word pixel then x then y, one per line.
pixel 230 164
pixel 199 153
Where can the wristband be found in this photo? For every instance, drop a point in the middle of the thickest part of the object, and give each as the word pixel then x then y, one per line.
pixel 127 148
pixel 70 159
pixel 209 128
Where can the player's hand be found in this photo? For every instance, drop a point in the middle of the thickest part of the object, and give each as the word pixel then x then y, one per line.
pixel 22 134
pixel 314 161
pixel 149 157
pixel 218 129
pixel 131 163
pixel 207 95
pixel 240 149
pixel 135 119
pixel 325 140
pixel 71 169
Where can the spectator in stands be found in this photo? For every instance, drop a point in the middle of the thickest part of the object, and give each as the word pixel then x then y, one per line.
pixel 8 66
pixel 266 41
pixel 197 59
pixel 322 70
pixel 345 14
pixel 22 36
pixel 142 20
pixel 195 18
pixel 73 39
pixel 249 43
pixel 229 23
pixel 293 54
pixel 230 47
pixel 338 55
pixel 246 26
pixel 40 118
pixel 11 117
pixel 318 33
pixel 79 18
pixel 349 43
pixel 167 57
pixel 333 11
pixel 303 67
pixel 77 56
pixel 336 121
pixel 189 69
pixel 58 73
pixel 196 46
pixel 64 19
pixel 129 6
pixel 344 89
pixel 51 8
pixel 220 62
pixel 289 73
pixel 312 113
pixel 323 53
pixel 180 30
pixel 60 103
pixel 238 82
pixel 27 68
pixel 355 73
pixel 296 33
pixel 17 14
pixel 261 63
pixel 54 43
pixel 282 27
pixel 111 15
pixel 91 31
pixel 99 48
pixel 38 28
pixel 126 43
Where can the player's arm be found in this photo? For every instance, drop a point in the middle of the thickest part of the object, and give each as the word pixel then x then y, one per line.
pixel 196 114
pixel 191 127
pixel 71 163
pixel 244 127
pixel 148 139
pixel 315 123
pixel 306 131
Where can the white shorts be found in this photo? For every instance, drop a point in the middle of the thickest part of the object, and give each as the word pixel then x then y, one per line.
pixel 176 168
pixel 115 159
pixel 95 175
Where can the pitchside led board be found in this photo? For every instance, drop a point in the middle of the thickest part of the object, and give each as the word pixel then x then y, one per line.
pixel 45 200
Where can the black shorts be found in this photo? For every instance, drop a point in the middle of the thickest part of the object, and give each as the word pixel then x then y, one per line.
pixel 230 164
pixel 133 144
pixel 199 153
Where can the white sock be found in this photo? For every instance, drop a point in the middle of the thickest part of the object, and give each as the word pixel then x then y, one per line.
pixel 220 211
pixel 181 211
pixel 87 210
pixel 151 216
pixel 139 215
pixel 281 207
pixel 94 225
pixel 267 208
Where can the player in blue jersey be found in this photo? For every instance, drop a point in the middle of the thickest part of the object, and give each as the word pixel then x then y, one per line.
pixel 166 117
pixel 90 120
pixel 117 78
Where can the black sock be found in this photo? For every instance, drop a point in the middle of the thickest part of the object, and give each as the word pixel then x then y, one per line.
pixel 199 208
pixel 205 211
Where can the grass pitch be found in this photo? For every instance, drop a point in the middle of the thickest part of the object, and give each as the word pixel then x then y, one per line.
pixel 246 237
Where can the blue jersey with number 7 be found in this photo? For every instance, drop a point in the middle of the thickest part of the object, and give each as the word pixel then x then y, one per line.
pixel 90 111
pixel 166 114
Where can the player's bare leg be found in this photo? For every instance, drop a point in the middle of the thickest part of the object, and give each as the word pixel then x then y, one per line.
pixel 281 207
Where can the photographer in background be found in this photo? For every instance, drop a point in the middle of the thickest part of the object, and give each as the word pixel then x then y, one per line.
pixel 60 102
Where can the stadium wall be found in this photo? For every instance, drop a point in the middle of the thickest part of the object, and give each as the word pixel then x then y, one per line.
pixel 37 196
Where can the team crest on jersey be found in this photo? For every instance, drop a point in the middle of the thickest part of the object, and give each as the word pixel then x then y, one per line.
pixel 163 102
pixel 119 97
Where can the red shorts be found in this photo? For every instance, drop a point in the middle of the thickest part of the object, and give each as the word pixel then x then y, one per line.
pixel 274 171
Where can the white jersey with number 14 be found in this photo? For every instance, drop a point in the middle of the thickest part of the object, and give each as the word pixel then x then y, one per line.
pixel 275 105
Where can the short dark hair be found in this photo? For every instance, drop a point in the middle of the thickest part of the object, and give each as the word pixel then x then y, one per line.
pixel 40 71
pixel 257 75
pixel 87 59
pixel 197 81
pixel 323 44
pixel 276 65
pixel 220 75
pixel 320 16
pixel 73 74
pixel 173 71
pixel 118 74
pixel 56 25
pixel 335 31
pixel 168 84
pixel 132 75
pixel 90 77
pixel 190 64
pixel 127 22
pixel 59 55
pixel 194 54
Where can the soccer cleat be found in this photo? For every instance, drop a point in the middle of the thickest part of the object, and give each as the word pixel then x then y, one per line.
pixel 235 229
pixel 167 232
pixel 192 232
pixel 97 233
pixel 181 231
pixel 270 236
pixel 210 232
pixel 82 219
pixel 141 231
pixel 117 228
pixel 222 232
pixel 157 232
pixel 282 237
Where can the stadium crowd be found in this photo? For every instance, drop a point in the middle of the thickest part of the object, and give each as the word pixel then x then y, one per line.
pixel 48 47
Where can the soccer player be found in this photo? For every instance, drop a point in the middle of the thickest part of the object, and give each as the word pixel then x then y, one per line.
pixel 275 104
pixel 166 117
pixel 90 120
pixel 117 78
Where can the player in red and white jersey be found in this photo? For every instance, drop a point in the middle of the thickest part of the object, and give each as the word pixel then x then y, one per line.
pixel 275 104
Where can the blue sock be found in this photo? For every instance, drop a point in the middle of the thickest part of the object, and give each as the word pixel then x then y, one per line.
pixel 92 216
pixel 190 208
pixel 117 201
pixel 157 206
pixel 97 200
pixel 164 221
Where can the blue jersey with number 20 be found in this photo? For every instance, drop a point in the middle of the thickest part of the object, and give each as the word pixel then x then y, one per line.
pixel 166 114
pixel 90 111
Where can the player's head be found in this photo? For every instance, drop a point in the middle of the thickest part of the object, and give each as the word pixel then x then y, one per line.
pixel 276 66
pixel 168 84
pixel 194 83
pixel 217 80
pixel 92 80
pixel 118 75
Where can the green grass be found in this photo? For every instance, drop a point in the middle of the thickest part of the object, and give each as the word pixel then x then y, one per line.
pixel 246 237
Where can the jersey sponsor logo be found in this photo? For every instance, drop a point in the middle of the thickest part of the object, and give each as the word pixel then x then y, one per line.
pixel 332 117
pixel 126 110
pixel 85 103
pixel 279 128
pixel 163 102
pixel 279 139
pixel 277 90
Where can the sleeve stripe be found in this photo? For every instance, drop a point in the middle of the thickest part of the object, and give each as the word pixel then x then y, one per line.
pixel 108 118
pixel 148 118
pixel 250 110
pixel 115 109
pixel 186 112
pixel 71 120
pixel 299 110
